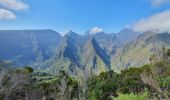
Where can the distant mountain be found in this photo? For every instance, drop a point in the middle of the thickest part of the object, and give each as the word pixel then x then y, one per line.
pixel 127 35
pixel 77 54
pixel 25 47
pixel 138 52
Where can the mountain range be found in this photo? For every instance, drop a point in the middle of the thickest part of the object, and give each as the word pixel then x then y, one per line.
pixel 86 54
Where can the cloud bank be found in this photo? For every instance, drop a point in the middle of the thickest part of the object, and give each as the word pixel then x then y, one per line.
pixel 157 3
pixel 95 30
pixel 159 22
pixel 6 14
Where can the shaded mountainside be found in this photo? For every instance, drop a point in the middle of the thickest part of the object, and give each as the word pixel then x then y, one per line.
pixel 25 47
pixel 78 54
pixel 107 41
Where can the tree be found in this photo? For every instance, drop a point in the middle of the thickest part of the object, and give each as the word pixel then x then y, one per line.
pixel 168 53
pixel 30 69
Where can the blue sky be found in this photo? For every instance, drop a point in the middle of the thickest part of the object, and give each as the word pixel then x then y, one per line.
pixel 78 15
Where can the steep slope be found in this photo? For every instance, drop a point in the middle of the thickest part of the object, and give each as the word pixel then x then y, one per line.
pixel 107 41
pixel 78 54
pixel 94 58
pixel 138 52
pixel 66 56
pixel 27 47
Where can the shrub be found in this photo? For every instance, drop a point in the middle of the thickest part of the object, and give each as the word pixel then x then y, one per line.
pixel 30 69
pixel 132 96
pixel 5 81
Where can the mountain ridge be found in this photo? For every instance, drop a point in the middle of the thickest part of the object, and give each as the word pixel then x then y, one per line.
pixel 92 53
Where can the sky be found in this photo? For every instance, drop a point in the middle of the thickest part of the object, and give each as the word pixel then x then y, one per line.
pixel 82 15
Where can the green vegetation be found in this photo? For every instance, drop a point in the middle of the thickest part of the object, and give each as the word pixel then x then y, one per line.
pixel 110 84
pixel 132 96
pixel 151 81
pixel 30 69
pixel 132 83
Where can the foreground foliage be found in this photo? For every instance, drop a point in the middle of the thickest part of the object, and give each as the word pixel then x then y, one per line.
pixel 132 96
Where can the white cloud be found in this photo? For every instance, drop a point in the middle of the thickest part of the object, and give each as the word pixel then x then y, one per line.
pixel 14 4
pixel 158 23
pixel 6 14
pixel 157 3
pixel 95 30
